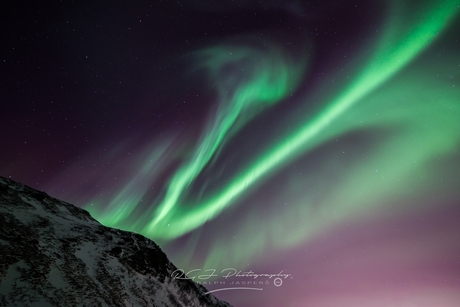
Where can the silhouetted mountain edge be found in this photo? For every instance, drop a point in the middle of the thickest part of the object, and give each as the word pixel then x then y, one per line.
pixel 53 253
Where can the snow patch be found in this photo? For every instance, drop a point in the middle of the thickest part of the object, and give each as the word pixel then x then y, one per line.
pixel 85 254
pixel 56 278
pixel 12 276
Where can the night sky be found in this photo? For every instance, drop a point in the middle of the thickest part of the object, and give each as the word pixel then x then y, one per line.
pixel 315 139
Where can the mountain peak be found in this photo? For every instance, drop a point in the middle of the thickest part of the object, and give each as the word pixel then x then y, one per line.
pixel 53 253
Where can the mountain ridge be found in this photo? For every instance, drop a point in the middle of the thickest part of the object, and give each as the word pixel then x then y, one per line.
pixel 53 253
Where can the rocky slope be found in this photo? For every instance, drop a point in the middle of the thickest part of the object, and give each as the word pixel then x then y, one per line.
pixel 55 254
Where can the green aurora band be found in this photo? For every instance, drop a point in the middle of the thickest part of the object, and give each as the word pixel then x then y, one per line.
pixel 425 133
pixel 395 51
pixel 270 79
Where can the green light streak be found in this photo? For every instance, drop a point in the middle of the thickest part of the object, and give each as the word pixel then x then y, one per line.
pixel 270 79
pixel 403 171
pixel 430 130
pixel 122 204
pixel 398 46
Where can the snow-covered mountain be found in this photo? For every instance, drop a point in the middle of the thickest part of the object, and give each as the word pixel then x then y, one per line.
pixel 55 254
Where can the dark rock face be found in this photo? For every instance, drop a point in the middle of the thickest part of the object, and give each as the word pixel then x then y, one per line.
pixel 55 254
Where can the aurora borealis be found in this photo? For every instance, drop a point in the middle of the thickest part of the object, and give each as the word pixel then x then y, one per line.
pixel 318 140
